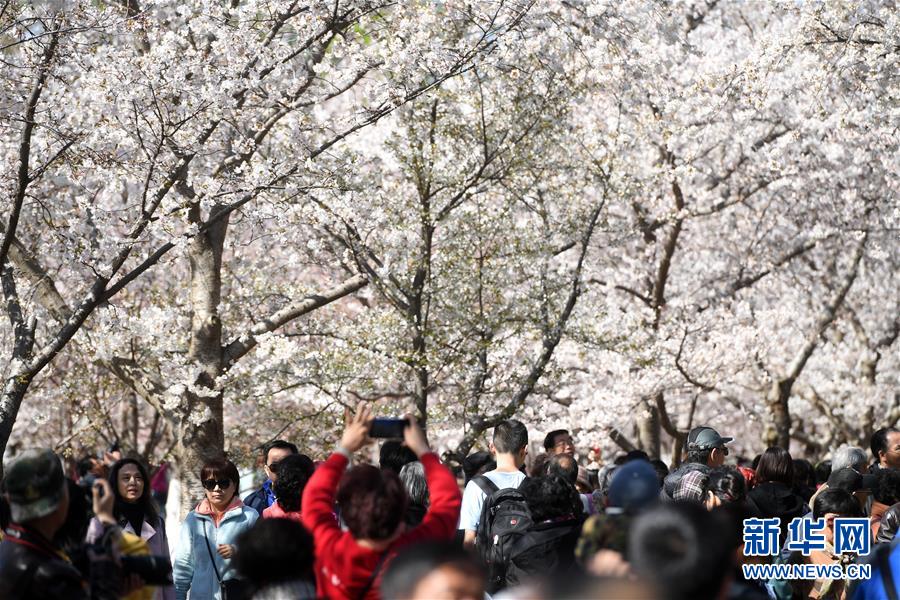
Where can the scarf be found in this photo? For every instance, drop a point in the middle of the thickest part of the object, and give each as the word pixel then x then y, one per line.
pixel 205 508
pixel 133 514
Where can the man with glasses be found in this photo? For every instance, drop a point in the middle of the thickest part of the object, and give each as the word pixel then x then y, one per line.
pixel 272 453
pixel 559 441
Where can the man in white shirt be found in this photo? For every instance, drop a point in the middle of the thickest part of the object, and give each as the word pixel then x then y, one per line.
pixel 509 447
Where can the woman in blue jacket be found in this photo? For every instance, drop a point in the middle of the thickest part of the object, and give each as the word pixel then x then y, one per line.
pixel 206 544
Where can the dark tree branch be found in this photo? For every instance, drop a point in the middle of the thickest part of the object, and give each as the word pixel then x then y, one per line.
pixel 239 347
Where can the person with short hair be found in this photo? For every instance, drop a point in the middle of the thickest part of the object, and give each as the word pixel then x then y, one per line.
pixel 509 446
pixel 852 457
pixel 679 548
pixel 293 473
pixel 372 502
pixel 272 453
pixel 823 470
pixel 559 441
pixel 136 513
pixel 431 570
pixel 202 562
pixel 32 565
pixel 275 559
pixel 705 446
pixel 831 504
pixel 413 477
pixel 846 457
pixel 885 446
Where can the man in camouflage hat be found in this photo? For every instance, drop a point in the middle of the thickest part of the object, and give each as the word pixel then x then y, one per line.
pixel 31 564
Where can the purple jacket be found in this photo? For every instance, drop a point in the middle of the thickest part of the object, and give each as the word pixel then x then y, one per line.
pixel 156 540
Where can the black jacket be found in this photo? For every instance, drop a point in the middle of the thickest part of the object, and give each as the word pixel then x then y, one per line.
pixel 773 499
pixel 32 568
pixel 545 550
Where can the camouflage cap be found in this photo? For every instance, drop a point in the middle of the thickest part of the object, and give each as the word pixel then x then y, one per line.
pixel 606 531
pixel 34 485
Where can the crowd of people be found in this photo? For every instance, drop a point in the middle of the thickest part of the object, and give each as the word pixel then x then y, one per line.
pixel 409 529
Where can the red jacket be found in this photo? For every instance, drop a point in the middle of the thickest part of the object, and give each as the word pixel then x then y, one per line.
pixel 343 567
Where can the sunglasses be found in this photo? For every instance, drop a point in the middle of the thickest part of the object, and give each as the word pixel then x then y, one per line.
pixel 211 484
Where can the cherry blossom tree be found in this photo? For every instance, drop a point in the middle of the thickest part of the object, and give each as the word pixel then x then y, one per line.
pixel 187 115
pixel 622 218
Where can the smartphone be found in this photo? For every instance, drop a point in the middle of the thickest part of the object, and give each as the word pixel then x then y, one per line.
pixel 388 428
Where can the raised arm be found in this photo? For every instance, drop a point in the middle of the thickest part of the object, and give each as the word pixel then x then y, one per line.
pixel 318 497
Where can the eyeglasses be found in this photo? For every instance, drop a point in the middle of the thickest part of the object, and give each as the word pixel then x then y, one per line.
pixel 724 450
pixel 211 484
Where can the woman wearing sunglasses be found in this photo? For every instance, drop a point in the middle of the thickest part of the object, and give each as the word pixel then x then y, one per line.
pixel 202 564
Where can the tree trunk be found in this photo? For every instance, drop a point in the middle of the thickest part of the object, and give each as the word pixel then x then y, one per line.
pixel 648 429
pixel 10 401
pixel 780 433
pixel 200 434
pixel 421 391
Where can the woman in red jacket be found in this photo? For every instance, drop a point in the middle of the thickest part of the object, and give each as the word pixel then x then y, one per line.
pixel 372 502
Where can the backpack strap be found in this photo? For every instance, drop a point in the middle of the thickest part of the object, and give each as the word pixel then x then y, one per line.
pixel 485 485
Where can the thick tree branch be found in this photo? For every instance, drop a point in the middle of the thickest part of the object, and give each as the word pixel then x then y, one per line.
pixel 246 342
pixel 23 179
pixel 828 315
pixel 551 339
pixel 665 263
pixel 621 440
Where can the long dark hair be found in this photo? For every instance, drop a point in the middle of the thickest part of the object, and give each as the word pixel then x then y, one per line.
pixel 151 514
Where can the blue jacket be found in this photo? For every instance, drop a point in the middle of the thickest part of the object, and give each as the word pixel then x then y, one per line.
pixel 874 588
pixel 192 568
pixel 261 499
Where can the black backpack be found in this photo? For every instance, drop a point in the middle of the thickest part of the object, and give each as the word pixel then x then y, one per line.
pixel 504 517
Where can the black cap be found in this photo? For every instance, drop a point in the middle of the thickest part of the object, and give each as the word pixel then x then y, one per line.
pixel 701 438
pixel 845 479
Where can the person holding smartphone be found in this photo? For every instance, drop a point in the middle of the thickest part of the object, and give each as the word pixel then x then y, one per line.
pixel 373 502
